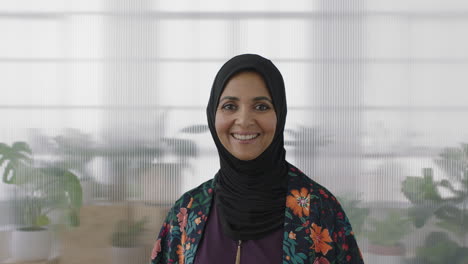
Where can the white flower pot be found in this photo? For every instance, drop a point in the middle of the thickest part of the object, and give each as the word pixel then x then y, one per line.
pixel 382 259
pixel 136 255
pixel 87 191
pixel 385 254
pixel 30 245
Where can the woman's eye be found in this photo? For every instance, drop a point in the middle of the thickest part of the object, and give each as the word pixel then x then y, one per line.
pixel 228 107
pixel 262 107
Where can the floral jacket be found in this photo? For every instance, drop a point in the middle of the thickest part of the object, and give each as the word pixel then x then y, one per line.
pixel 316 229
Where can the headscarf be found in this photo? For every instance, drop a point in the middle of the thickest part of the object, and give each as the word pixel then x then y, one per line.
pixel 251 195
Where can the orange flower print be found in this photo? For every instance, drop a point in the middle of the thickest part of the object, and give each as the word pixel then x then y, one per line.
pixel 183 238
pixel 181 249
pixel 180 253
pixel 320 238
pixel 190 203
pixel 197 220
pixel 292 235
pixel 299 202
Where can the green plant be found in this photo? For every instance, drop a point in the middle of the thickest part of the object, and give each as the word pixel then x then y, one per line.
pixel 449 211
pixel 439 248
pixel 127 233
pixel 41 189
pixel 389 231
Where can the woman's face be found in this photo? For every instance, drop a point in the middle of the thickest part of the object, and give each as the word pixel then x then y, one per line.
pixel 245 118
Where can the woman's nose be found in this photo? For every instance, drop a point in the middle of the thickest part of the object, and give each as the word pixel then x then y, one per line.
pixel 244 117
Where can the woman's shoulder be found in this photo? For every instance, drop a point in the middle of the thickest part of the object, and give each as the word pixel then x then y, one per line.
pixel 299 180
pixel 206 186
pixel 202 192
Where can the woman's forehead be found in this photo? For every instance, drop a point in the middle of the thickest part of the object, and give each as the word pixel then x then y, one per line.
pixel 250 84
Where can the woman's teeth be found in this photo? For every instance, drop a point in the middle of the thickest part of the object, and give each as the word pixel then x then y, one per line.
pixel 245 137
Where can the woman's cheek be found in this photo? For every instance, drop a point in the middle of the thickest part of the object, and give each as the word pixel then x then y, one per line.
pixel 222 125
pixel 269 123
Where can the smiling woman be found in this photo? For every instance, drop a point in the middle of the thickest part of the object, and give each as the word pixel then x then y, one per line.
pixel 258 208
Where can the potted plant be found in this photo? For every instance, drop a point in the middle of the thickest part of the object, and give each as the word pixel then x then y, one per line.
pixel 126 242
pixel 72 150
pixel 41 191
pixel 449 211
pixel 439 248
pixel 385 237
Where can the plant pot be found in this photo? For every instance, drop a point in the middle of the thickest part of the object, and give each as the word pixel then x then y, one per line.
pixel 134 255
pixel 87 191
pixel 384 254
pixel 31 245
pixel 397 250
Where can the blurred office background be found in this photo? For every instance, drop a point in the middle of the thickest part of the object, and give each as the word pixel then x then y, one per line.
pixel 102 110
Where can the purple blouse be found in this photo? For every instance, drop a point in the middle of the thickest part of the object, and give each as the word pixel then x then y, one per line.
pixel 215 246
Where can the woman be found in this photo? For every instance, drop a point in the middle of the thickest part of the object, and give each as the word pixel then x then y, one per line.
pixel 258 208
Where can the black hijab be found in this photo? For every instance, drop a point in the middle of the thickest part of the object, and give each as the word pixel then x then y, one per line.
pixel 251 195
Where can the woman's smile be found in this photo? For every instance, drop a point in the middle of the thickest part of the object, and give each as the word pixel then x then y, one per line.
pixel 245 136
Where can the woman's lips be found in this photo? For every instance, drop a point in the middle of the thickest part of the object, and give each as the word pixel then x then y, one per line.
pixel 245 138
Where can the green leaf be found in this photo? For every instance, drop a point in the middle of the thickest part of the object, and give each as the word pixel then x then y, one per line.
pixel 2 160
pixel 42 220
pixel 313 196
pixel 9 170
pixel 288 214
pixel 70 185
pixel 286 249
pixel 21 146
pixel 420 189
pixel 298 259
pixel 299 229
pixel 293 260
pixel 18 153
pixel 421 214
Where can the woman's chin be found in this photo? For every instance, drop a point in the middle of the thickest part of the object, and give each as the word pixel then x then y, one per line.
pixel 245 156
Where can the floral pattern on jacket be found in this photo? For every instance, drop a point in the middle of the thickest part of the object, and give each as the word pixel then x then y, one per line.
pixel 316 229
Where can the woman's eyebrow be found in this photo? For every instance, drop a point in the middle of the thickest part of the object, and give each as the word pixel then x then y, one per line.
pixel 232 98
pixel 260 98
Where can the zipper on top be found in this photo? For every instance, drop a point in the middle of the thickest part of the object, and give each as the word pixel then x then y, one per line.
pixel 238 252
